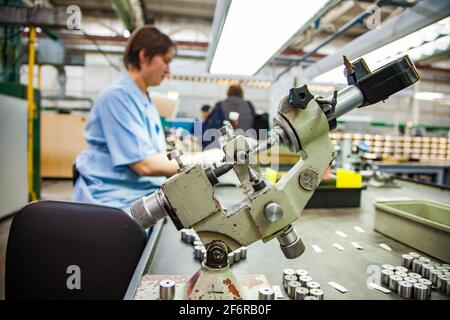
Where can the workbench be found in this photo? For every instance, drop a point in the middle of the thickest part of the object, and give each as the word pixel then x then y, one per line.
pixel 315 226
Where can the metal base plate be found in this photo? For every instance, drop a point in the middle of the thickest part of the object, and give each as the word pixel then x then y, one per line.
pixel 148 288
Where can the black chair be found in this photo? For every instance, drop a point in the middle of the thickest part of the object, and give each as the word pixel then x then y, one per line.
pixel 50 241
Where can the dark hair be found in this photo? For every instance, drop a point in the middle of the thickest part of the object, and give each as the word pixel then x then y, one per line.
pixel 148 38
pixel 235 90
pixel 205 108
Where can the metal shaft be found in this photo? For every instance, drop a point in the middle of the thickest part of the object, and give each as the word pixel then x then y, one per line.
pixel 266 293
pixel 348 99
pixel 167 289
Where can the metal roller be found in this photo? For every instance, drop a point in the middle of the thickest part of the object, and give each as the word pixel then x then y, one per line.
pixel 291 286
pixel 184 235
pixel 237 255
pixel 288 272
pixel 198 243
pixel 442 282
pixel 313 285
pixel 231 258
pixel 301 293
pixel 420 291
pixel 425 259
pixel 198 252
pixel 401 269
pixel 415 255
pixel 388 267
pixel 426 268
pixel 409 279
pixel 385 274
pixel 304 280
pixel 426 282
pixel 414 275
pixel 167 289
pixel 266 293
pixel 417 265
pixel 401 274
pixel 434 275
pixel 405 289
pixel 244 253
pixel 393 282
pixel 301 272
pixel 407 260
pixel 316 293
pixel 288 278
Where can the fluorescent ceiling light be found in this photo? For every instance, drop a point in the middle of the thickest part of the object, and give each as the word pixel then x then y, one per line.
pixel 418 45
pixel 255 30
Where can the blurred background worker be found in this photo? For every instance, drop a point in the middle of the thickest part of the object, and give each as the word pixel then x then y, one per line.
pixel 126 154
pixel 232 105
pixel 204 112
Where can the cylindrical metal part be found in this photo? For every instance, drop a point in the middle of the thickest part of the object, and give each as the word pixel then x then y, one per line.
pixel 231 258
pixel 288 278
pixel 301 272
pixel 243 252
pixel 426 268
pixel 401 274
pixel 304 280
pixel 409 279
pixel 198 252
pixel 190 237
pixel 312 285
pixel 237 255
pixel 417 265
pixel 441 268
pixel 407 260
pixel 348 99
pixel 273 211
pixel 290 243
pixel 415 255
pixel 414 275
pixel 393 282
pixel 310 298
pixel 425 259
pixel 183 235
pixel 442 282
pixel 203 254
pixel 291 286
pixel 420 291
pixel 288 271
pixel 301 293
pixel 426 282
pixel 446 266
pixel 148 210
pixel 316 293
pixel 434 275
pixel 401 269
pixel 198 243
pixel 167 289
pixel 266 293
pixel 388 267
pixel 385 274
pixel 435 264
pixel 405 289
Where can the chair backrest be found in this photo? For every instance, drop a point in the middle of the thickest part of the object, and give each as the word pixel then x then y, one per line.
pixel 65 250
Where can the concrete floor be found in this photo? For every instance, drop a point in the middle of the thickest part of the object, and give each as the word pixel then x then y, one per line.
pixel 315 226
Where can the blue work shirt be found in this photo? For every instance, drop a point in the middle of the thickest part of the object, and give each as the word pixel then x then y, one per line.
pixel 123 127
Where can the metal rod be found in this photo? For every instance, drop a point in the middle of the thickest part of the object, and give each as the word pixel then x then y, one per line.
pixel 348 99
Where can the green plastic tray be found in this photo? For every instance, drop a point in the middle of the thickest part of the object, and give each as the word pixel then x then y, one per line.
pixel 420 224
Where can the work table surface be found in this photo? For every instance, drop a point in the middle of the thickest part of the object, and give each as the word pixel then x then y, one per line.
pixel 348 268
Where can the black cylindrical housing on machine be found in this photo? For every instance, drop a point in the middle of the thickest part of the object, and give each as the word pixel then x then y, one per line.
pixel 387 80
